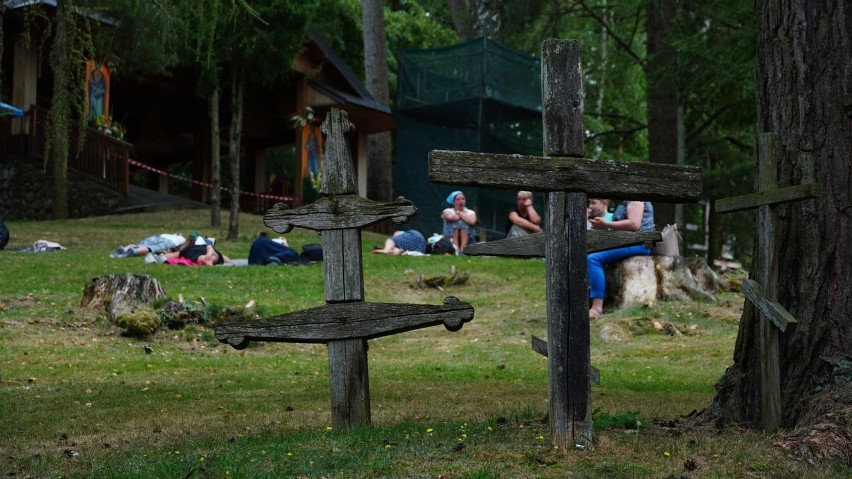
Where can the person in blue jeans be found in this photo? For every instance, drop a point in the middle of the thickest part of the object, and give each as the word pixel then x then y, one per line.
pixel 628 216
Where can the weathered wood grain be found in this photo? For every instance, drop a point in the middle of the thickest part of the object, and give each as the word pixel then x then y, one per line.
pixel 568 358
pixel 532 246
pixel 598 178
pixel 768 197
pixel 540 346
pixel 770 309
pixel 341 258
pixel 346 321
pixel 338 170
pixel 766 273
pixel 349 386
pixel 337 212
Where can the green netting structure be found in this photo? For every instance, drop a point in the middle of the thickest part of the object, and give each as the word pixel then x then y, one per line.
pixel 473 96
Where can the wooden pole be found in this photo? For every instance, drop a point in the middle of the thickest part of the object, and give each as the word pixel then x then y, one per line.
pixel 565 250
pixel 766 274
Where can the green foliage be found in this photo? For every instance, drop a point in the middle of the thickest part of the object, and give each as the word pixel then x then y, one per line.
pixel 622 420
pixel 138 323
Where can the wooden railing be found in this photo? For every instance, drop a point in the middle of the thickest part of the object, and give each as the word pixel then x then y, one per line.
pixel 103 158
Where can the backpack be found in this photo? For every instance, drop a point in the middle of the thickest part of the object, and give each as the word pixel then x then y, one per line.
pixel 442 246
pixel 311 253
pixel 4 235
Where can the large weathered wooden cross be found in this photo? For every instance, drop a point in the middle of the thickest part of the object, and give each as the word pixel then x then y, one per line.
pixel 346 322
pixel 568 180
pixel 762 290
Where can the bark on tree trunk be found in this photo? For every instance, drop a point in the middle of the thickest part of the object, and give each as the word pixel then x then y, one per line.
pixel 460 12
pixel 486 18
pixel 215 160
pixel 804 90
pixel 237 89
pixel 380 170
pixel 663 98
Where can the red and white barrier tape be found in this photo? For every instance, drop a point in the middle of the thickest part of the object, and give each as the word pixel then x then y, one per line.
pixel 208 185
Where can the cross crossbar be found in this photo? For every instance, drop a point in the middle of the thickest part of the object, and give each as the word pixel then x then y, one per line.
pixel 597 178
pixel 346 321
pixel 771 309
pixel 337 212
pixel 768 197
pixel 532 246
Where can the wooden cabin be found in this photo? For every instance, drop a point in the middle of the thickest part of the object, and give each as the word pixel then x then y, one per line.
pixel 168 141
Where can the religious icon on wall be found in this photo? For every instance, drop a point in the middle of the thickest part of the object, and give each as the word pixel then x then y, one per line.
pixel 312 152
pixel 97 93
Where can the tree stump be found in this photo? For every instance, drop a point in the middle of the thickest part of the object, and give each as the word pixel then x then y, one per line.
pixel 644 280
pixel 120 293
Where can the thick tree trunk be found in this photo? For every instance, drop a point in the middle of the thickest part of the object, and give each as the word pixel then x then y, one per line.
pixel 804 89
pixel 486 18
pixel 379 155
pixel 215 160
pixel 237 89
pixel 460 12
pixel 664 114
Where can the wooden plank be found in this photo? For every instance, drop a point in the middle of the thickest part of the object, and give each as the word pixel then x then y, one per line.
pixel 569 391
pixel 337 212
pixel 341 254
pixel 598 178
pixel 532 246
pixel 766 273
pixel 338 170
pixel 770 309
pixel 346 321
pixel 349 384
pixel 540 346
pixel 768 197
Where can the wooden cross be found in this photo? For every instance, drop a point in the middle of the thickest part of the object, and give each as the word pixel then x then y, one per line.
pixel 568 180
pixel 346 322
pixel 762 291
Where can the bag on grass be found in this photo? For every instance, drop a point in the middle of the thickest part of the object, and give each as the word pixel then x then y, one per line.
pixel 311 253
pixel 669 245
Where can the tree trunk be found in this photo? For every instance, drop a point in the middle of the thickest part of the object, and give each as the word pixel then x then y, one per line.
pixel 59 114
pixel 215 160
pixel 663 97
pixel 486 18
pixel 804 92
pixel 380 170
pixel 460 12
pixel 237 89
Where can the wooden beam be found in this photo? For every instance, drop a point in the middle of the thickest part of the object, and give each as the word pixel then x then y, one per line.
pixel 768 197
pixel 337 212
pixel 346 321
pixel 532 246
pixel 770 309
pixel 598 178
pixel 540 346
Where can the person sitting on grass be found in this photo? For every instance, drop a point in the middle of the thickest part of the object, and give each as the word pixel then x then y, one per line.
pixel 403 241
pixel 459 221
pixel 152 244
pixel 524 219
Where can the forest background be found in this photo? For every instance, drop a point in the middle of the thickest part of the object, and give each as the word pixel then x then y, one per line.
pixel 665 81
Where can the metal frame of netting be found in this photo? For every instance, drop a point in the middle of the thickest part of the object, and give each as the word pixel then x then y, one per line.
pixel 473 96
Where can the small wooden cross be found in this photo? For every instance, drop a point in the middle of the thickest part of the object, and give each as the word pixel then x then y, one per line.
pixel 568 180
pixel 762 291
pixel 346 322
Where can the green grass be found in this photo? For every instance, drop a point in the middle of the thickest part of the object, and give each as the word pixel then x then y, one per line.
pixel 78 399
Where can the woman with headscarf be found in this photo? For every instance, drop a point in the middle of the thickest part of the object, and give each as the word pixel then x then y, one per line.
pixel 459 221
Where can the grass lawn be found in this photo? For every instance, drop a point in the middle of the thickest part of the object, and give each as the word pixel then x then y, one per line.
pixel 80 400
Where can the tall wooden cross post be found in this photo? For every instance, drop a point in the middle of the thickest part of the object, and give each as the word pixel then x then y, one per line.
pixel 762 290
pixel 346 322
pixel 568 179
